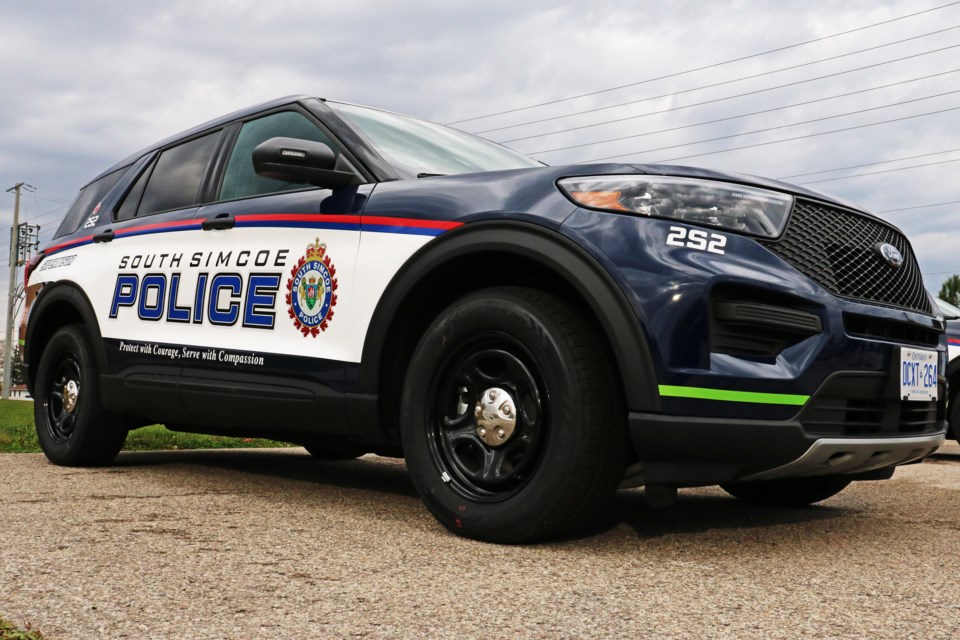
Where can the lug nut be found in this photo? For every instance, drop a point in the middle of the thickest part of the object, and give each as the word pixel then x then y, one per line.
pixel 506 409
pixel 483 432
pixel 501 434
pixel 493 395
pixel 477 412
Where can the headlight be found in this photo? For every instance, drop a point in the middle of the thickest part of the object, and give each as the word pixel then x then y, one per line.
pixel 716 204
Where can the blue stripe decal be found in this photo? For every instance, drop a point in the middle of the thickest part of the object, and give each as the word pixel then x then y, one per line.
pixel 336 226
pixel 414 231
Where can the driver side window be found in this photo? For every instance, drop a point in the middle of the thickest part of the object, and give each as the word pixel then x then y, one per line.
pixel 240 180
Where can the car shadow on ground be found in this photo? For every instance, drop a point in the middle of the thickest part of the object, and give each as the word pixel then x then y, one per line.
pixel 692 513
pixel 943 456
pixel 698 513
pixel 382 475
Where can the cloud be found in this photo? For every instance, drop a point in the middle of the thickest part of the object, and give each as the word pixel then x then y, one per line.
pixel 86 84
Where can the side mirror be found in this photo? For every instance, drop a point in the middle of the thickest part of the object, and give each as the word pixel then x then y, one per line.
pixel 301 162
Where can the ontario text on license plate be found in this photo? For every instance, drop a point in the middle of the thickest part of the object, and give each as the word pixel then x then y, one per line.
pixel 918 374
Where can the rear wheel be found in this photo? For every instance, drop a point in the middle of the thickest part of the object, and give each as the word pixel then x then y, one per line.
pixel 794 492
pixel 72 427
pixel 512 423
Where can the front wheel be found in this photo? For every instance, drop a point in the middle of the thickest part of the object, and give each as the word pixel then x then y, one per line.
pixel 72 426
pixel 512 421
pixel 793 492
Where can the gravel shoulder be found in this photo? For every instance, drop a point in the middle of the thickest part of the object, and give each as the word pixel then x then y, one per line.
pixel 272 543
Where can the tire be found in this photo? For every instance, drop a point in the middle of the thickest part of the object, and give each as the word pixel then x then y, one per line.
pixel 794 492
pixel 562 459
pixel 78 432
pixel 334 451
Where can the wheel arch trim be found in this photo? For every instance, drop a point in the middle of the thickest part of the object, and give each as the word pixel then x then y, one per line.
pixel 609 304
pixel 49 297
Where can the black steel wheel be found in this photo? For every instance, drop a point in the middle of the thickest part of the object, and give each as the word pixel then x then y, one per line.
pixel 495 382
pixel 63 398
pixel 512 420
pixel 791 492
pixel 72 427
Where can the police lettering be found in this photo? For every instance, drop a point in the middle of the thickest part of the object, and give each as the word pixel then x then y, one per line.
pixel 205 259
pixel 218 298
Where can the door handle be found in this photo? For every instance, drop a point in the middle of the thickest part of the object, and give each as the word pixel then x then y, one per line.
pixel 219 221
pixel 104 236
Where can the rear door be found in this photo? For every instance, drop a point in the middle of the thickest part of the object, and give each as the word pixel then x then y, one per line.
pixel 133 279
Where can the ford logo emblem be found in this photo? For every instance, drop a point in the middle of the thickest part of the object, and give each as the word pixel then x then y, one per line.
pixel 890 254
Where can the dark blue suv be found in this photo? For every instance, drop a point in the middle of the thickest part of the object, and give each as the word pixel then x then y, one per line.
pixel 528 337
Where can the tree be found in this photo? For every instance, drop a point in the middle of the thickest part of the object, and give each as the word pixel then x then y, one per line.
pixel 950 291
pixel 17 375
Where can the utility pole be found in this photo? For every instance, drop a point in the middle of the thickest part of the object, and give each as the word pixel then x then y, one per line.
pixel 12 285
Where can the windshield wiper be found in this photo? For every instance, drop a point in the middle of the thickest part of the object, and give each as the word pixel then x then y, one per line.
pixel 430 175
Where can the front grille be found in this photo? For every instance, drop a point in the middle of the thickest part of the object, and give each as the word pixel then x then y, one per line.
pixel 862 405
pixel 839 250
pixel 890 330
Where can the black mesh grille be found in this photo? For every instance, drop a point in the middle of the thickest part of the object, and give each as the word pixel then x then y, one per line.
pixel 863 405
pixel 839 250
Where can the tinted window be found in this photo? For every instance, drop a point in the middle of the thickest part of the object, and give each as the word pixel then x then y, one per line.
pixel 87 200
pixel 240 180
pixel 416 146
pixel 130 203
pixel 177 175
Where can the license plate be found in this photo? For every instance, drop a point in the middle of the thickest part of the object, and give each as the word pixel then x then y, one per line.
pixel 918 374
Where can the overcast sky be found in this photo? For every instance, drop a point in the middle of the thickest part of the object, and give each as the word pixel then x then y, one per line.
pixel 87 83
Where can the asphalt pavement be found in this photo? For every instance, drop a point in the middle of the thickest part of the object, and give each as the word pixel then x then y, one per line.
pixel 274 544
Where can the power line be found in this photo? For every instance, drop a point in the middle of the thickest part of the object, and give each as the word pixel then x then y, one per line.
pixel 769 142
pixel 872 173
pixel 742 115
pixel 919 206
pixel 867 164
pixel 725 98
pixel 747 93
pixel 782 126
pixel 705 67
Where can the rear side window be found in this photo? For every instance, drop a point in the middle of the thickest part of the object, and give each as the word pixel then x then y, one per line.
pixel 240 180
pixel 87 201
pixel 177 175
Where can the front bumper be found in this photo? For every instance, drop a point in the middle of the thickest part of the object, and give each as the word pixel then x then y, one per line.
pixel 684 451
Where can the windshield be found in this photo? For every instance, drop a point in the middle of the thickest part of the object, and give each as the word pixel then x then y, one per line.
pixel 421 148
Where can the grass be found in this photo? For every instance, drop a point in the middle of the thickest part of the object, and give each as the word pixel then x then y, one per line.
pixel 17 435
pixel 9 631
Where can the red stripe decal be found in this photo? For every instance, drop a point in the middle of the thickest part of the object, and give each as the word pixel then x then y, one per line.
pixel 380 221
pixel 160 225
pixel 298 217
pixel 68 244
pixel 411 222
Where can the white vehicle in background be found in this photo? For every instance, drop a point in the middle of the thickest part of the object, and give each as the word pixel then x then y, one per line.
pixel 951 314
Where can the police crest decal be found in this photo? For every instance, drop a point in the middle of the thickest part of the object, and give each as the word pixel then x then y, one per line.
pixel 311 290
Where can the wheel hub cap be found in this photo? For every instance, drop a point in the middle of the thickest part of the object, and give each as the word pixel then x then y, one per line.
pixel 496 414
pixel 70 392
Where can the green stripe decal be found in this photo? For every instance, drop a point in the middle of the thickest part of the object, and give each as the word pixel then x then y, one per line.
pixel 703 393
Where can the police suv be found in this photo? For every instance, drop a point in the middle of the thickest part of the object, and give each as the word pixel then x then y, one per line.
pixel 529 338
